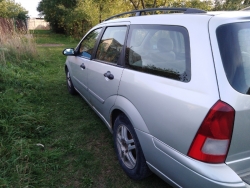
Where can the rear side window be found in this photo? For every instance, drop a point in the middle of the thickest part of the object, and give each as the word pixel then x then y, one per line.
pixel 234 45
pixel 159 50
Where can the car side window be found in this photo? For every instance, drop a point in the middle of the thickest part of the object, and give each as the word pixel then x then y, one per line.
pixel 88 44
pixel 164 51
pixel 138 37
pixel 111 44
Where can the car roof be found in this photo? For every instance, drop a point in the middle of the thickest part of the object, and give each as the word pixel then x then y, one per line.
pixel 178 16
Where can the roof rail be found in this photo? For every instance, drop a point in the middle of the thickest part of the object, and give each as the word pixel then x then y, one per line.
pixel 139 12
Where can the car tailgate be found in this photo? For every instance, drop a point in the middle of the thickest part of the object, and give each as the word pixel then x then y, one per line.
pixel 233 75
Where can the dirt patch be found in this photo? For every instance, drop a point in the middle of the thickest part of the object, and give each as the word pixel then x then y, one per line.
pixel 50 45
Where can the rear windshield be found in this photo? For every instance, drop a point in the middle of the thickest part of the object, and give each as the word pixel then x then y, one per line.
pixel 234 45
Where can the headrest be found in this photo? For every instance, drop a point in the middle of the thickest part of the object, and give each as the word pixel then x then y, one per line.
pixel 165 44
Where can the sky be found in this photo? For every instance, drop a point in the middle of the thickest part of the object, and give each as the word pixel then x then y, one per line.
pixel 31 6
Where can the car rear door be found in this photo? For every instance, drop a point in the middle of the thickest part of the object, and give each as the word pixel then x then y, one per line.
pixel 105 69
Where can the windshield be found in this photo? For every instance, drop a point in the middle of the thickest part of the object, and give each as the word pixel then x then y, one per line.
pixel 234 45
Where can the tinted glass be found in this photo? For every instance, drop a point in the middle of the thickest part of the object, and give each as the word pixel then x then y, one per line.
pixel 88 44
pixel 111 44
pixel 159 50
pixel 138 37
pixel 234 45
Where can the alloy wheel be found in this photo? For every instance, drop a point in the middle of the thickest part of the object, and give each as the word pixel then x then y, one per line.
pixel 126 146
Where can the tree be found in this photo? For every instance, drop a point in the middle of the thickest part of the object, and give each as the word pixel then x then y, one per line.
pixel 10 9
pixel 138 4
pixel 143 4
pixel 56 12
pixel 75 17
pixel 231 4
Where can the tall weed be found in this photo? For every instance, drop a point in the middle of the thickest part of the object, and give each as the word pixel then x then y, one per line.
pixel 19 118
pixel 16 45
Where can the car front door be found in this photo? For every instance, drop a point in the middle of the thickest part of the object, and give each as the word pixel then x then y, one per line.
pixel 105 69
pixel 81 62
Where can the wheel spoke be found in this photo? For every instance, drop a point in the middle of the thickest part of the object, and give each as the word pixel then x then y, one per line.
pixel 119 144
pixel 125 136
pixel 131 141
pixel 123 132
pixel 130 159
pixel 130 147
pixel 119 135
pixel 119 140
pixel 68 79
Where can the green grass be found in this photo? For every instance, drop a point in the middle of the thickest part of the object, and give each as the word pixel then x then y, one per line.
pixel 49 138
pixel 48 37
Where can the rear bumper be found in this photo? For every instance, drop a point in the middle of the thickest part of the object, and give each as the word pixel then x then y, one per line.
pixel 247 186
pixel 181 171
pixel 202 182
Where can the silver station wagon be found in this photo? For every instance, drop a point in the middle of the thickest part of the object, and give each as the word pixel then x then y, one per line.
pixel 172 85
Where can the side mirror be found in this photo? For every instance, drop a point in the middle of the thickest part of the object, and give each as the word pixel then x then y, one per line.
pixel 69 52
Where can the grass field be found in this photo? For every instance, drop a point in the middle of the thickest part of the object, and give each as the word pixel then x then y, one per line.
pixel 49 138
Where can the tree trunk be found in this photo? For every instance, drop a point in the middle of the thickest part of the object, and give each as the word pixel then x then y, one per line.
pixel 133 3
pixel 100 13
pixel 155 2
pixel 143 4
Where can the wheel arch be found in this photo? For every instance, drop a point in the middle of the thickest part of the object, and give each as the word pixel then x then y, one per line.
pixel 66 68
pixel 114 114
pixel 123 105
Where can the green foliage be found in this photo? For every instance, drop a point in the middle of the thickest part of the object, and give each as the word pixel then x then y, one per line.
pixel 56 12
pixel 142 4
pixel 10 9
pixel 203 5
pixel 231 4
pixel 48 137
pixel 78 16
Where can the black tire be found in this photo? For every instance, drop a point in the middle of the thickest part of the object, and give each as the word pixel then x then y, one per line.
pixel 70 85
pixel 128 149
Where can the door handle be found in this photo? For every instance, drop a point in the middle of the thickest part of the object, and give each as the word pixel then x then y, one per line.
pixel 109 75
pixel 82 66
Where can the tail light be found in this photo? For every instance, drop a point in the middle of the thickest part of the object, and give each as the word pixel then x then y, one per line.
pixel 212 140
